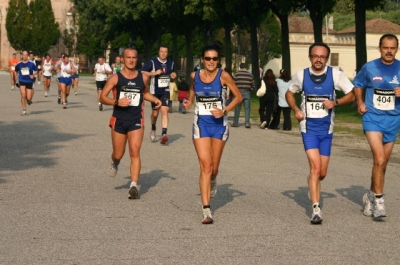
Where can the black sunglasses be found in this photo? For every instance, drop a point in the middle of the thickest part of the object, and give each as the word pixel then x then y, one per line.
pixel 210 58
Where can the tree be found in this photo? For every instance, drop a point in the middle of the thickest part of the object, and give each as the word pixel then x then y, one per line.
pixel 45 31
pixel 318 10
pixel 268 39
pixel 18 25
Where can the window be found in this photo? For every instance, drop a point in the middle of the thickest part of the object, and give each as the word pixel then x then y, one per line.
pixel 334 59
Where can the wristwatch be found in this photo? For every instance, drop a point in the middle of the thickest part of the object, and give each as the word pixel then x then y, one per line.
pixel 116 102
pixel 336 102
pixel 225 113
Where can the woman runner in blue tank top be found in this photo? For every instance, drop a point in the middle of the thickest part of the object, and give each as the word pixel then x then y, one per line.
pixel 210 126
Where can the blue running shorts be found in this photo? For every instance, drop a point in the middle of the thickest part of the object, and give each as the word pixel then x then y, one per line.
pixel 321 142
pixel 388 125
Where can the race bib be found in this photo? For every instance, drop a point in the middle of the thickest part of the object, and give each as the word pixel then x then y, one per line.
pixel 131 93
pixel 163 82
pixel 101 76
pixel 24 71
pixel 315 108
pixel 65 74
pixel 206 104
pixel 13 67
pixel 384 99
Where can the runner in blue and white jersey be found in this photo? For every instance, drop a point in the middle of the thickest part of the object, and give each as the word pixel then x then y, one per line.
pixel 26 76
pixel 210 126
pixel 381 116
pixel 160 69
pixel 67 70
pixel 318 85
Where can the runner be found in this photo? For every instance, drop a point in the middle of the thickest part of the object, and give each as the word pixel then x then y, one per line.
pixel 66 70
pixel 58 74
pixel 75 77
pixel 160 69
pixel 47 67
pixel 38 63
pixel 210 126
pixel 26 77
pixel 317 85
pixel 101 72
pixel 13 74
pixel 380 112
pixel 117 66
pixel 130 88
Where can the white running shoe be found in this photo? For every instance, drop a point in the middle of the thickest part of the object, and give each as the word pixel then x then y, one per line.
pixel 113 169
pixel 207 217
pixel 316 217
pixel 379 207
pixel 368 204
pixel 213 191
pixel 45 94
pixel 263 125
pixel 12 87
pixel 153 135
pixel 23 113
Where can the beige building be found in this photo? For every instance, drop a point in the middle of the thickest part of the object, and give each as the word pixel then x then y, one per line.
pixel 60 9
pixel 342 43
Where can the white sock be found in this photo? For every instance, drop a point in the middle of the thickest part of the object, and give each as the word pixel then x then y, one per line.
pixel 133 184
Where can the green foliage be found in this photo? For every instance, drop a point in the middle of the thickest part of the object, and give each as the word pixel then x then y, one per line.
pixel 45 31
pixel 18 24
pixel 31 27
pixel 269 39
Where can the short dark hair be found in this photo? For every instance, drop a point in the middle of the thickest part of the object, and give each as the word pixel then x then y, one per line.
pixel 242 66
pixel 319 44
pixel 209 48
pixel 388 36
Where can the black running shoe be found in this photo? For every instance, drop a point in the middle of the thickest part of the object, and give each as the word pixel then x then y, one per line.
pixel 133 193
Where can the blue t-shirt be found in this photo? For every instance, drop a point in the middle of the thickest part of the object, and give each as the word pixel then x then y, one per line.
pixel 379 80
pixel 159 84
pixel 24 71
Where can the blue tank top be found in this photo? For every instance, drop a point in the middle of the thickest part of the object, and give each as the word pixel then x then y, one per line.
pixel 132 89
pixel 319 120
pixel 208 96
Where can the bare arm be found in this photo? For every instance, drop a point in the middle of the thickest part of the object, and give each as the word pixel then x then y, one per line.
pixel 147 95
pixel 358 93
pixel 299 115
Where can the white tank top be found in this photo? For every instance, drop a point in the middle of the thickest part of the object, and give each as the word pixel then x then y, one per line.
pixel 64 69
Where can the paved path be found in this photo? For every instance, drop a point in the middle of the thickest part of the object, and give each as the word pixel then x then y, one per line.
pixel 58 206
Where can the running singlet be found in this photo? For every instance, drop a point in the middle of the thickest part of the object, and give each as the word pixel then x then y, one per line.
pixel 13 62
pixel 208 96
pixel 132 89
pixel 99 68
pixel 24 71
pixel 319 120
pixel 118 68
pixel 47 68
pixel 379 80
pixel 64 69
pixel 159 84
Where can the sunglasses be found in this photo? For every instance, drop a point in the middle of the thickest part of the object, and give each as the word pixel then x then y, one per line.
pixel 211 58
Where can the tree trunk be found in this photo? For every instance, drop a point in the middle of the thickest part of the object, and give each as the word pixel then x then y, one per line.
pixel 284 18
pixel 189 55
pixel 361 49
pixel 228 48
pixel 254 53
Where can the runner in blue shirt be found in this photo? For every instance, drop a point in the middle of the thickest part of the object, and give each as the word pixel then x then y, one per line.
pixel 380 116
pixel 26 76
pixel 160 69
pixel 316 115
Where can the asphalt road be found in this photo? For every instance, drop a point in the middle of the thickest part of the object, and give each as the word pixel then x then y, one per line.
pixel 59 206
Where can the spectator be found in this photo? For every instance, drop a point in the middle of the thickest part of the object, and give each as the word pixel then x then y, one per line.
pixel 268 102
pixel 283 83
pixel 183 88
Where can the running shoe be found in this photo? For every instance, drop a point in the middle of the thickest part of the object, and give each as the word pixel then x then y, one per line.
pixel 23 113
pixel 17 85
pixel 29 102
pixel 316 217
pixel 38 82
pixel 164 139
pixel 45 94
pixel 368 204
pixel 263 125
pixel 100 107
pixel 12 87
pixel 207 217
pixel 64 105
pixel 213 191
pixel 75 93
pixel 113 169
pixel 133 193
pixel 379 207
pixel 59 100
pixel 153 135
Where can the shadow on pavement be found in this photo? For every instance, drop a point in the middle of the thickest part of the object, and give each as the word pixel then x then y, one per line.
pixel 225 194
pixel 30 144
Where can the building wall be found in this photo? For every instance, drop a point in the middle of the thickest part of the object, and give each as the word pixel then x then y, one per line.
pixel 60 8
